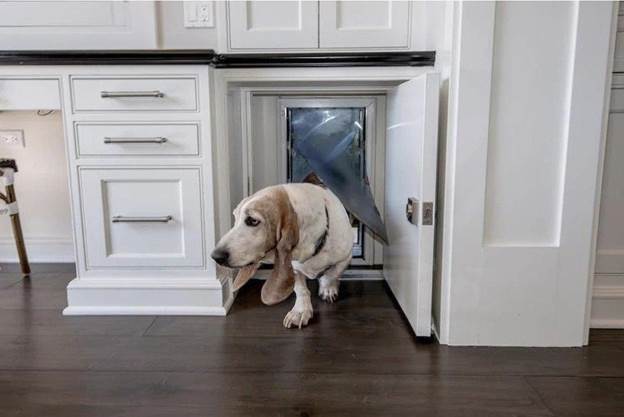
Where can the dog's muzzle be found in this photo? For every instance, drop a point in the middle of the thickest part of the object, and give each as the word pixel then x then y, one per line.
pixel 221 256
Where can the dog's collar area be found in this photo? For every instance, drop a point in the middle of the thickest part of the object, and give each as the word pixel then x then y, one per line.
pixel 320 242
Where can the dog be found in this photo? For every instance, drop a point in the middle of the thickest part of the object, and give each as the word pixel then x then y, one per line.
pixel 303 230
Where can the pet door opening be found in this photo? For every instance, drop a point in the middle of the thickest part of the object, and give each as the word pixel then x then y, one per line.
pixel 274 122
pixel 346 134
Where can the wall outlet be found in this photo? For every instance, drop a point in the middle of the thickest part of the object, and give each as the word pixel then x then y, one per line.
pixel 199 14
pixel 12 137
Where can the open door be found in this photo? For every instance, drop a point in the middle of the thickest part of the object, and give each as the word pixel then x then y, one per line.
pixel 411 157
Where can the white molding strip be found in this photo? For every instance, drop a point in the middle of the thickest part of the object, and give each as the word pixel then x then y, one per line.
pixel 40 249
pixel 608 302
pixel 114 296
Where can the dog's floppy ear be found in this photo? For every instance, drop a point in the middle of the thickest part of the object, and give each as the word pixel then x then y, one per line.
pixel 282 281
pixel 244 274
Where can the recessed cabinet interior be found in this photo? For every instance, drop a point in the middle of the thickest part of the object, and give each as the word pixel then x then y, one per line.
pixel 296 24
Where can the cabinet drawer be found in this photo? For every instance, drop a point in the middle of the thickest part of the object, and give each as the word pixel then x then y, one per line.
pixel 133 139
pixel 17 94
pixel 134 94
pixel 142 217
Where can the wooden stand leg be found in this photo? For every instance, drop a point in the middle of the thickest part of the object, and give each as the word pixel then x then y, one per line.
pixel 18 234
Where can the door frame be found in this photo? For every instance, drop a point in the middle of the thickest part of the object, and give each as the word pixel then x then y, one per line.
pixel 374 151
pixel 360 80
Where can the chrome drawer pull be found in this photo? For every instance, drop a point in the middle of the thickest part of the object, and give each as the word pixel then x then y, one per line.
pixel 122 94
pixel 129 219
pixel 159 140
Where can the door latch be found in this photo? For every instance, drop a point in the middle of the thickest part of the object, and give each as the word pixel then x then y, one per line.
pixel 411 212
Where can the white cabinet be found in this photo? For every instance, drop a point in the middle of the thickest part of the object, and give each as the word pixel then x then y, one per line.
pixel 255 25
pixel 142 217
pixel 139 153
pixel 275 24
pixel 46 24
pixel 364 24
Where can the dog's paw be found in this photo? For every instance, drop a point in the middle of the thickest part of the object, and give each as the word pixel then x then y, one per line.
pixel 328 294
pixel 298 317
pixel 328 289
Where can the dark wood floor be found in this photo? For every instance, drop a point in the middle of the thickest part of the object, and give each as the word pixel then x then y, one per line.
pixel 357 358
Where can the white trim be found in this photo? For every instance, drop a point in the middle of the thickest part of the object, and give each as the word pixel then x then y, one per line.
pixel 144 311
pixel 608 302
pixel 39 249
pixel 609 292
pixel 595 254
pixel 135 296
pixel 607 324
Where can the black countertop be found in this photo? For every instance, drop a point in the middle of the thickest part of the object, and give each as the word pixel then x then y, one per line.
pixel 209 57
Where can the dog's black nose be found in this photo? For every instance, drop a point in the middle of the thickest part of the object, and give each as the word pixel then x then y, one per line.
pixel 220 256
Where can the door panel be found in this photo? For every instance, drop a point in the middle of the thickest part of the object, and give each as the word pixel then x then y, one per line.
pixel 142 217
pixel 273 24
pixel 364 24
pixel 411 156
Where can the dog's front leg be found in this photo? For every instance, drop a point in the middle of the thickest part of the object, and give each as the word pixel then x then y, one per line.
pixel 302 311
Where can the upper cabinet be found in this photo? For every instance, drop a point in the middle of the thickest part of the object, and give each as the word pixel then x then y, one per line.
pixel 364 24
pixel 325 25
pixel 77 25
pixel 274 24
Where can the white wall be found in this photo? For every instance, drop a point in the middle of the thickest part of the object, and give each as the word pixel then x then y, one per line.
pixel 173 35
pixel 42 189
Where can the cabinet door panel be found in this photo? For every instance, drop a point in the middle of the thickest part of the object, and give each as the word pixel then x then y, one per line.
pixel 362 24
pixel 142 217
pixel 273 24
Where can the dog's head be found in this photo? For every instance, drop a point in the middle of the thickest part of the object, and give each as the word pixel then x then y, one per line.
pixel 263 223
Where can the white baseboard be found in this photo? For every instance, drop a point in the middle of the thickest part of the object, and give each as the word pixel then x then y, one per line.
pixel 48 250
pixel 608 302
pixel 175 296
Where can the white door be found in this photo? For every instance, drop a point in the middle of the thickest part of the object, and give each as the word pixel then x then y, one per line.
pixel 411 155
pixel 273 24
pixel 364 24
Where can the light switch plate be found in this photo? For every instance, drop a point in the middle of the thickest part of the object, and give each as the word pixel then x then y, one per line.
pixel 199 14
pixel 14 137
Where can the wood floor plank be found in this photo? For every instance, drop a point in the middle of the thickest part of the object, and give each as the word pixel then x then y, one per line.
pixel 358 357
pixel 581 396
pixel 37 322
pixel 265 394
pixel 610 337
pixel 296 353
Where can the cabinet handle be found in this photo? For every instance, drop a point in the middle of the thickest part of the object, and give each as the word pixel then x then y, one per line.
pixel 122 94
pixel 141 219
pixel 158 139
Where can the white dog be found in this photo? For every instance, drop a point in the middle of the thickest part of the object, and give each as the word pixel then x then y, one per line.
pixel 304 230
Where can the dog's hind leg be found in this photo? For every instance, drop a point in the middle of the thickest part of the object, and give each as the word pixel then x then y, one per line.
pixel 301 312
pixel 329 281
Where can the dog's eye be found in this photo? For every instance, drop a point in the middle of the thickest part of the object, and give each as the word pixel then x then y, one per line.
pixel 250 221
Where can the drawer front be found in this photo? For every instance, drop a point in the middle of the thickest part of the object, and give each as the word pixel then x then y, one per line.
pixel 142 217
pixel 134 94
pixel 135 139
pixel 16 94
